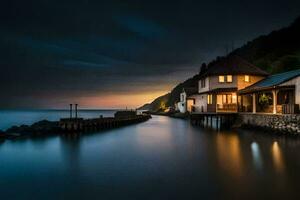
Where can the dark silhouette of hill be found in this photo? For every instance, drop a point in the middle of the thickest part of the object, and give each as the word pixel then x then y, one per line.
pixel 158 104
pixel 276 52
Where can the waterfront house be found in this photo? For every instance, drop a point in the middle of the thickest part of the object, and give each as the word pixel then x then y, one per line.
pixel 187 100
pixel 279 93
pixel 218 86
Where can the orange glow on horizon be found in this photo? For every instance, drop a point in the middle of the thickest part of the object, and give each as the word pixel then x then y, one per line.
pixel 118 100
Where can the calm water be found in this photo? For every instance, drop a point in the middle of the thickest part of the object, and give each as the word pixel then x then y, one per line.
pixel 163 158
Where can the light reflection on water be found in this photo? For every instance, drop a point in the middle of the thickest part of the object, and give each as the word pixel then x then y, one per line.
pixel 277 157
pixel 229 154
pixel 163 158
pixel 257 158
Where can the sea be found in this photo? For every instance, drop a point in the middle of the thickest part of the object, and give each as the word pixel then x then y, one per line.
pixel 162 158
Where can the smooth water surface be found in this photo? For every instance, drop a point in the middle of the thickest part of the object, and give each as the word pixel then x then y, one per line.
pixel 163 158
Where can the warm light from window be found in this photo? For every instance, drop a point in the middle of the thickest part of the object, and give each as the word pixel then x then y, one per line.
pixel 209 99
pixel 221 79
pixel 229 78
pixel 219 99
pixel 277 156
pixel 234 98
pixel 247 78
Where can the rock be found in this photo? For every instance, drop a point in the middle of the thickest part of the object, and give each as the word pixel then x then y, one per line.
pixel 18 129
pixel 41 127
pixel 44 126
pixel 2 134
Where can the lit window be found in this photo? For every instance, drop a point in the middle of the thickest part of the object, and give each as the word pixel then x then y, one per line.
pixel 247 78
pixel 224 100
pixel 219 99
pixel 234 98
pixel 229 98
pixel 221 79
pixel 209 99
pixel 229 78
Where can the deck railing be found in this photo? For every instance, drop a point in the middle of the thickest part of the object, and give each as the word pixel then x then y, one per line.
pixel 227 107
pixel 290 108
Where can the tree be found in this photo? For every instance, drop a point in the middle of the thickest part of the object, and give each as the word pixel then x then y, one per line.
pixel 203 68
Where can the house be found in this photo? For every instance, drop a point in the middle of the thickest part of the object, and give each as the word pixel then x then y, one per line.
pixel 187 101
pixel 279 93
pixel 218 86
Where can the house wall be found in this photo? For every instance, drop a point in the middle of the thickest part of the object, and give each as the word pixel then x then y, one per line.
pixel 296 83
pixel 241 84
pixel 214 83
pixel 200 102
pixel 206 88
pixel 181 105
pixel 238 81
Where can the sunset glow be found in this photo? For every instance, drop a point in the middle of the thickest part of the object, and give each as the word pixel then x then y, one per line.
pixel 131 101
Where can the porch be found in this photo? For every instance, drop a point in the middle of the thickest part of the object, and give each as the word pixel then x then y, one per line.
pixel 226 102
pixel 221 100
pixel 279 100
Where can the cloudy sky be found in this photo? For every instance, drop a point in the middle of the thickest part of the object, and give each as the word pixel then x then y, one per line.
pixel 113 54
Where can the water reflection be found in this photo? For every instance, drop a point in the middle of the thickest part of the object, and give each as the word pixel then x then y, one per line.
pixel 229 154
pixel 277 157
pixel 71 148
pixel 156 137
pixel 256 154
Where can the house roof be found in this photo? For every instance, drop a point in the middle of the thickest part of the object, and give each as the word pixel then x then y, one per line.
pixel 273 80
pixel 233 65
pixel 190 90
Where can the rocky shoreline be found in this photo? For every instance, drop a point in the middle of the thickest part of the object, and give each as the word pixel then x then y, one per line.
pixel 278 124
pixel 43 127
pixel 288 125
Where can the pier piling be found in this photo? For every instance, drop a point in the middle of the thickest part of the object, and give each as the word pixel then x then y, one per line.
pixel 217 121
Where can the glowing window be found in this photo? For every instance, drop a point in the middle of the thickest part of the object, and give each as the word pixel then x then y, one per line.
pixel 229 99
pixel 219 99
pixel 221 79
pixel 234 99
pixel 247 78
pixel 229 78
pixel 209 99
pixel 224 98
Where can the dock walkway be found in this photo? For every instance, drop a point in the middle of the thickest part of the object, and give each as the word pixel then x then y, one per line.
pixel 96 124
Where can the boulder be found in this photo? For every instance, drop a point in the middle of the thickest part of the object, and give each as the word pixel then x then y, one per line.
pixel 40 127
pixel 2 134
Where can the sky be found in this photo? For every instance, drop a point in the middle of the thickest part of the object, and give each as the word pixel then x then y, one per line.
pixel 117 54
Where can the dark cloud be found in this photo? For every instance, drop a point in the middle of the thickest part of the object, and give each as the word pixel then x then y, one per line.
pixel 53 52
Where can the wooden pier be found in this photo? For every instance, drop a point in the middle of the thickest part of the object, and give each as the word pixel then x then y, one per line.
pixel 213 120
pixel 73 125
